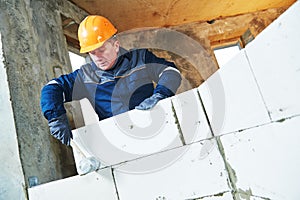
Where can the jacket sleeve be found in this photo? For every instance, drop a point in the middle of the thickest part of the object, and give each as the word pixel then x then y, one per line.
pixel 164 73
pixel 55 93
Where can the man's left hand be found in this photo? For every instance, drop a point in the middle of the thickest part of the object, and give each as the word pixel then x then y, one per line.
pixel 150 102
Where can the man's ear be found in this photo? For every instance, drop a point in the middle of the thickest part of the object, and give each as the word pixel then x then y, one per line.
pixel 117 45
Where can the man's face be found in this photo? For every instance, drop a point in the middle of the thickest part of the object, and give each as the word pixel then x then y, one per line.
pixel 106 55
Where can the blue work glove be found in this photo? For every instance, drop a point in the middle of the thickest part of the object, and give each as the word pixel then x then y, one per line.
pixel 59 128
pixel 150 102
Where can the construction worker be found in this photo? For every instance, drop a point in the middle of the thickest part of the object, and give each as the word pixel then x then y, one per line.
pixel 116 81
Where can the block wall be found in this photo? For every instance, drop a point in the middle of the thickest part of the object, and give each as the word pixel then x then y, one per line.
pixel 234 137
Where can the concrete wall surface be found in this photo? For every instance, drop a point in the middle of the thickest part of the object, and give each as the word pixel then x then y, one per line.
pixel 12 182
pixel 33 45
pixel 234 137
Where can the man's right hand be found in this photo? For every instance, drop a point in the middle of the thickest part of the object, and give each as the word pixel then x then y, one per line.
pixel 60 129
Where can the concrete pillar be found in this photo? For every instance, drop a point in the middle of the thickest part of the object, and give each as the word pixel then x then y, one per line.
pixel 11 174
pixel 33 47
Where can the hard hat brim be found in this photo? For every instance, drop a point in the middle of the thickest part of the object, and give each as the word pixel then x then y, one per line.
pixel 91 47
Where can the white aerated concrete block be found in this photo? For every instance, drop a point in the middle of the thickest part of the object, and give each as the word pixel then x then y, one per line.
pixel 231 98
pixel 266 159
pixel 93 186
pixel 130 135
pixel 182 173
pixel 191 117
pixel 274 58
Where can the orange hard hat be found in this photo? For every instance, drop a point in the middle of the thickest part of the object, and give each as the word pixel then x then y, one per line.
pixel 93 31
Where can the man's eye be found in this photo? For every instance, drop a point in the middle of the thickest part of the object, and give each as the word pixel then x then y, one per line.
pixel 97 51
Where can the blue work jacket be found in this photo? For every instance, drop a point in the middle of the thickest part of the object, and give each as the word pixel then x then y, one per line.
pixel 126 85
